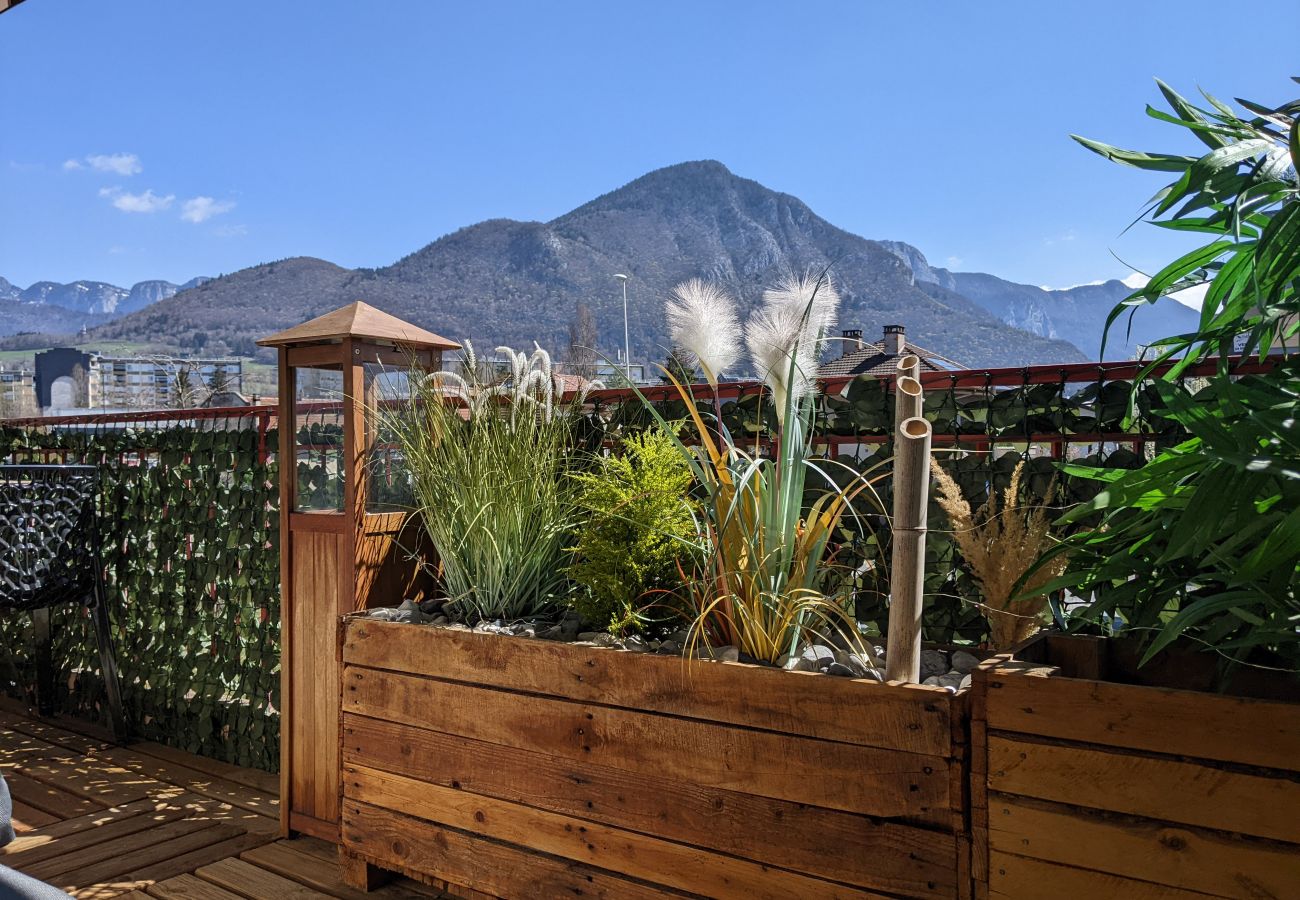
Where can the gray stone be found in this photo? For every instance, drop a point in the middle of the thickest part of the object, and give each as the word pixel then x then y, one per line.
pixel 636 644
pixel 933 662
pixel 873 675
pixel 570 624
pixel 599 638
pixel 965 683
pixel 951 680
pixel 440 620
pixel 819 654
pixel 680 636
pixel 725 654
pixel 670 647
pixel 932 681
pixel 797 664
pixel 964 662
pixel 840 670
pixel 859 665
pixel 552 633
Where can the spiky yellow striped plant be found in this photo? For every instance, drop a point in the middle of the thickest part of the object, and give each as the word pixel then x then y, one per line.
pixel 761 587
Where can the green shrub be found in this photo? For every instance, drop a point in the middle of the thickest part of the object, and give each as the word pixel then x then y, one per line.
pixel 640 529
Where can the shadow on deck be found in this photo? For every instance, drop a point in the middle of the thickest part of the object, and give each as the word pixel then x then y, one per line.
pixel 148 821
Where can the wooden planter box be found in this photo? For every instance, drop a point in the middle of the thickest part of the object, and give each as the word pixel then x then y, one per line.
pixel 1085 786
pixel 525 768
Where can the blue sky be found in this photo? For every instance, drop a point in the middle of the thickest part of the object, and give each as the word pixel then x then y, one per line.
pixel 170 139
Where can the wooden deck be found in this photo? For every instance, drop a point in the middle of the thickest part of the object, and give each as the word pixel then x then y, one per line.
pixel 148 821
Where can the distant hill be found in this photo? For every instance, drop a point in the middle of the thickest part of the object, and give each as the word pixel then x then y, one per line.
pixel 48 306
pixel 510 282
pixel 1077 314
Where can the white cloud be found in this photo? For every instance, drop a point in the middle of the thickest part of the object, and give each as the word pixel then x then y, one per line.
pixel 200 209
pixel 148 202
pixel 72 165
pixel 116 163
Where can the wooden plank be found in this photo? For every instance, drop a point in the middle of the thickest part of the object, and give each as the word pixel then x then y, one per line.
pixel 868 780
pixel 194 781
pixel 1156 787
pixel 92 778
pixel 911 718
pixel 885 856
pixel 651 859
pixel 27 818
pixel 262 782
pixel 67 827
pixel 49 733
pixel 100 833
pixel 1021 878
pixel 47 798
pixel 1161 720
pixel 1191 859
pixel 247 880
pixel 413 846
pixel 188 887
pixel 127 847
pixel 283 858
pixel 186 860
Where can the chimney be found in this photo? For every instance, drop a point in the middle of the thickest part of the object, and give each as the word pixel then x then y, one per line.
pixel 894 340
pixel 852 340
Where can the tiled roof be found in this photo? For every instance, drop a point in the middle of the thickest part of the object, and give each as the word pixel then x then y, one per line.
pixel 871 359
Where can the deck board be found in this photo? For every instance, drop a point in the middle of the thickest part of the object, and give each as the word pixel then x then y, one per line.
pixel 147 821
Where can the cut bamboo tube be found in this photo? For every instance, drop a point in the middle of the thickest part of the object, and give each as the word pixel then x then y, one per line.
pixel 907 567
pixel 908 400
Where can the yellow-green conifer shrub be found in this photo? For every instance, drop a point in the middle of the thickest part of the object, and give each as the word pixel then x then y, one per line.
pixel 639 536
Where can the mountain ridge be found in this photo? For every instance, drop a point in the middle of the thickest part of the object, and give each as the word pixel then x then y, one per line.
pixel 509 281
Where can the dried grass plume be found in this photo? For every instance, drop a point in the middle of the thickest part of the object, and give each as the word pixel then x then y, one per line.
pixel 703 324
pixel 1000 542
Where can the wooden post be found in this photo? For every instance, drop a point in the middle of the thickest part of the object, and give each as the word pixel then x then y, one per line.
pixel 907 570
pixel 333 560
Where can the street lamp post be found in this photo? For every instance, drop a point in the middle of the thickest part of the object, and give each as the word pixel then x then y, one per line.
pixel 627 345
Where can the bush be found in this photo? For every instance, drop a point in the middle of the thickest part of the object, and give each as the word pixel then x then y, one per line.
pixel 641 528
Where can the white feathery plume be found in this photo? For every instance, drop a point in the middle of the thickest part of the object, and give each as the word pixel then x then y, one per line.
pixel 792 324
pixel 703 324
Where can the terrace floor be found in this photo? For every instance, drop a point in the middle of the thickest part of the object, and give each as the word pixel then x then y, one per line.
pixel 147 821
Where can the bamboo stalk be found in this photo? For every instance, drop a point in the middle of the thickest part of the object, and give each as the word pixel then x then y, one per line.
pixel 908 400
pixel 907 567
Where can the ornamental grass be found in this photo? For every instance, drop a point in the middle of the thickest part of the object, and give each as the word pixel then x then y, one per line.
pixel 488 461
pixel 1000 542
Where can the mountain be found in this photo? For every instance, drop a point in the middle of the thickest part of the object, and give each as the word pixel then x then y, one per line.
pixel 509 282
pixel 50 307
pixel 1077 314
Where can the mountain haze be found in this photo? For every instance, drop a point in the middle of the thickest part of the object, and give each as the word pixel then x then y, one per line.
pixel 1078 313
pixel 52 307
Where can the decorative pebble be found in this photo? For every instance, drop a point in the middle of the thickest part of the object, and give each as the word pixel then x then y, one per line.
pixel 932 681
pixel 819 654
pixel 933 662
pixel 599 638
pixel 965 683
pixel 841 670
pixel 669 647
pixel 636 644
pixel 440 620
pixel 951 680
pixel 964 662
pixel 797 664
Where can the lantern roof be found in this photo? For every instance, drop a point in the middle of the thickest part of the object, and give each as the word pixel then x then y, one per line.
pixel 359 320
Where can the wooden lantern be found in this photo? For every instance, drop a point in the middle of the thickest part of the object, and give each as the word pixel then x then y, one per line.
pixel 343 546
